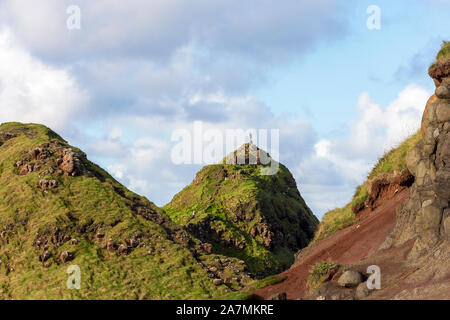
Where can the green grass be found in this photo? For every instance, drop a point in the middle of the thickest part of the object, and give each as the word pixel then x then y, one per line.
pixel 392 161
pixel 335 220
pixel 268 281
pixel 395 160
pixel 229 200
pixel 317 274
pixel 444 53
pixel 79 208
pixel 360 196
pixel 247 293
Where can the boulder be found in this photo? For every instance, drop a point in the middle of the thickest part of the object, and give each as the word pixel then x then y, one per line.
pixel 45 184
pixel 350 279
pixel 123 250
pixel 217 282
pixel 26 169
pixel 443 91
pixel 69 164
pixel 362 291
pixel 66 256
pixel 278 296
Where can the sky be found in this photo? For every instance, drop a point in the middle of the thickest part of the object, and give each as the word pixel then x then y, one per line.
pixel 118 78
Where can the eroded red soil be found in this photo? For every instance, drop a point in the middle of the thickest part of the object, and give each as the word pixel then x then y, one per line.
pixel 352 245
pixel 357 247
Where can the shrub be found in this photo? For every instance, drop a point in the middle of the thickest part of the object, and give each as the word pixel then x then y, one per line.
pixel 318 272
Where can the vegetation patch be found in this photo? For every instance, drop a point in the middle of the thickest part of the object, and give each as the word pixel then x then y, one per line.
pixel 444 53
pixel 268 281
pixel 319 273
pixel 335 220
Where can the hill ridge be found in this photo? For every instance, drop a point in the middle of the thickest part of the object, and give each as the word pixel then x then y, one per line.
pixel 58 208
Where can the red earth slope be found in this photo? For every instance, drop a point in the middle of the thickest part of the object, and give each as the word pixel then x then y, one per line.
pixel 357 247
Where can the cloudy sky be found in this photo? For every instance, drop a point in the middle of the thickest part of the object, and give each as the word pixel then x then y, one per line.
pixel 136 71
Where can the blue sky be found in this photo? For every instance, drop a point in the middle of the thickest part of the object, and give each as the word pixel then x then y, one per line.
pixel 135 71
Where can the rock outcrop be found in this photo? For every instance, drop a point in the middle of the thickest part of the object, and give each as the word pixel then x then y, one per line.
pixel 425 215
pixel 261 219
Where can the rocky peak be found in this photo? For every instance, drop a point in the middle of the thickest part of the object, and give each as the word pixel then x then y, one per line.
pixel 248 153
pixel 261 219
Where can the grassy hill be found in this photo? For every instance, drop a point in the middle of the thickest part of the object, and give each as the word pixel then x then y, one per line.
pixel 58 209
pixel 261 219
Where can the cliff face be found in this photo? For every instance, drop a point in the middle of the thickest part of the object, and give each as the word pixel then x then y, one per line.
pixel 425 215
pixel 261 219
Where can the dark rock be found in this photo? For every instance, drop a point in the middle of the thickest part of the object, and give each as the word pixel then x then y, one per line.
pixel 207 247
pixel 133 243
pixel 111 245
pixel 45 184
pixel 123 250
pixel 45 256
pixel 28 168
pixel 278 296
pixel 66 256
pixel 362 291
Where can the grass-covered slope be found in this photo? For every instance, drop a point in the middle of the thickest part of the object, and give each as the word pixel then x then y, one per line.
pixel 59 209
pixel 390 167
pixel 261 219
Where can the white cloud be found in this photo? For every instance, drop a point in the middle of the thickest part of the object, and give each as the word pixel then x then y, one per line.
pixel 329 176
pixel 258 28
pixel 143 151
pixel 383 128
pixel 115 134
pixel 31 91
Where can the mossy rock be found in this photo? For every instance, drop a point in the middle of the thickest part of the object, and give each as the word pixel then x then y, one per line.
pixel 260 219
